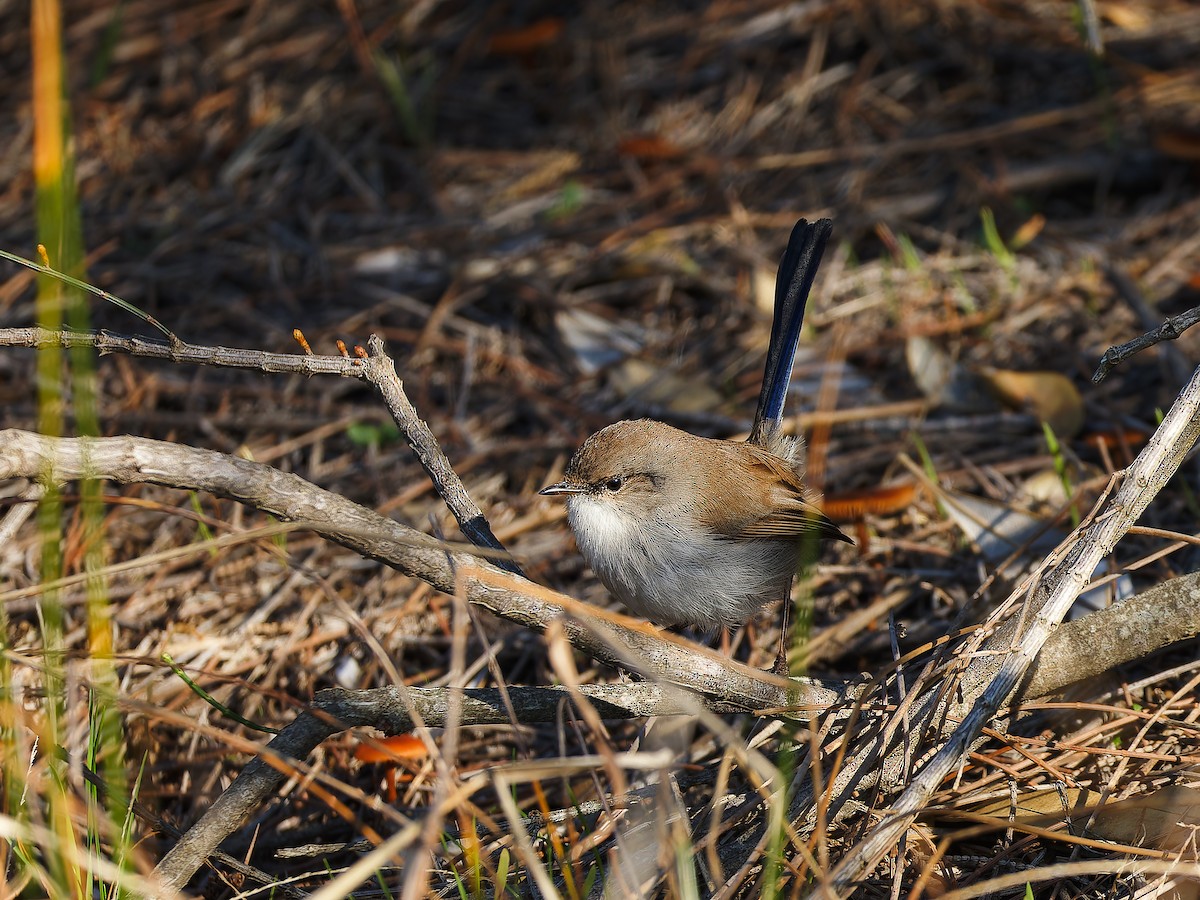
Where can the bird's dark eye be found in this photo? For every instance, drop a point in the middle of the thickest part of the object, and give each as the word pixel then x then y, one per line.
pixel 614 483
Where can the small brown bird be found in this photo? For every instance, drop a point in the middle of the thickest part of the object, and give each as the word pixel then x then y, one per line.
pixel 687 530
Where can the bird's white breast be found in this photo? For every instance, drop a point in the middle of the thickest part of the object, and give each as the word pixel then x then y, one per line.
pixel 674 575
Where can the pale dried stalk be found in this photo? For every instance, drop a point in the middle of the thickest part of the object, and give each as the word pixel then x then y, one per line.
pixel 1046 607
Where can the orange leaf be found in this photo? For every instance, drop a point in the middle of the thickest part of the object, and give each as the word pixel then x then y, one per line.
pixel 391 749
pixel 1027 232
pixel 649 146
pixel 518 41
pixel 1050 396
pixel 1111 439
pixel 880 501
pixel 1178 143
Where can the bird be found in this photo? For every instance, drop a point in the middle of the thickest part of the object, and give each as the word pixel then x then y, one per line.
pixel 695 531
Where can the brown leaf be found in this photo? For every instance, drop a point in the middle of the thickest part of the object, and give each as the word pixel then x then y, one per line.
pixel 1163 819
pixel 391 749
pixel 879 501
pixel 1050 396
pixel 648 147
pixel 518 41
pixel 1178 143
pixel 1113 440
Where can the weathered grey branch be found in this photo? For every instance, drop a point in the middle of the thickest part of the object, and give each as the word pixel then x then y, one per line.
pixel 1086 647
pixel 1169 330
pixel 105 342
pixel 992 677
pixel 377 368
pixel 613 639
pixel 391 710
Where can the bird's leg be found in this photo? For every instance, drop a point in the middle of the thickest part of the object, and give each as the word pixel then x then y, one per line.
pixel 781 667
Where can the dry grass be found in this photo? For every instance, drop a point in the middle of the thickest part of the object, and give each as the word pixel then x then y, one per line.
pixel 249 169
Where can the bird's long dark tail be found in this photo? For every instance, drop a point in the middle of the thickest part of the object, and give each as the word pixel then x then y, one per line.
pixel 797 270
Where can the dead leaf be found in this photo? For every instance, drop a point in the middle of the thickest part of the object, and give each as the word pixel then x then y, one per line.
pixel 519 41
pixel 1114 440
pixel 1165 819
pixel 879 501
pixel 1050 396
pixel 1027 232
pixel 1126 16
pixel 649 147
pixel 391 749
pixel 1178 143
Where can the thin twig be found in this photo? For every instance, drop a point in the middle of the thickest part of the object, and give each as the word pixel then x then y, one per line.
pixel 606 636
pixel 1169 330
pixel 377 368
pixel 388 709
pixel 1149 473
pixel 381 372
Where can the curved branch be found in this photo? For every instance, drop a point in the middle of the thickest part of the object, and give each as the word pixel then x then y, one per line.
pixel 617 640
pixel 376 367
pixel 391 709
pixel 990 679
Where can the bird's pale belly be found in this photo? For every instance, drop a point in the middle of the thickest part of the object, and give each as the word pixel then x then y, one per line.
pixel 676 577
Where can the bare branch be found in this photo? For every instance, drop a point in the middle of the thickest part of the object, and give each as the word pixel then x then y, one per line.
pixel 1132 629
pixel 377 368
pixel 617 640
pixel 381 372
pixel 1051 592
pixel 391 710
pixel 1169 330
pixel 224 357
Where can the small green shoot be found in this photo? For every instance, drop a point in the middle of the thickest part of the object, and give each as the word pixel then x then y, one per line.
pixel 383 887
pixel 1061 469
pixel 568 202
pixel 502 863
pixel 802 601
pixel 456 876
pixel 589 880
pixel 409 85
pixel 909 256
pixel 206 533
pixel 109 39
pixel 373 435
pixel 927 465
pixel 279 539
pixel 211 700
pixel 962 294
pixel 685 869
pixel 995 244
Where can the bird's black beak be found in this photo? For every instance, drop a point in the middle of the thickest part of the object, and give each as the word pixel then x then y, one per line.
pixel 563 487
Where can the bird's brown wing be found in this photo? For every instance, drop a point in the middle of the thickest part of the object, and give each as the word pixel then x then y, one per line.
pixel 792 512
pixel 794 518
